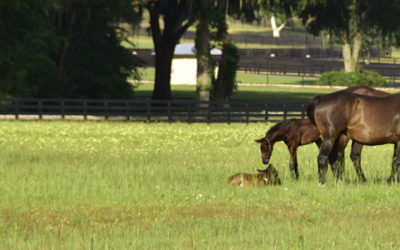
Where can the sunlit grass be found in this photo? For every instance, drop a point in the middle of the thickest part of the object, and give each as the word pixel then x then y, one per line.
pixel 260 92
pixel 121 185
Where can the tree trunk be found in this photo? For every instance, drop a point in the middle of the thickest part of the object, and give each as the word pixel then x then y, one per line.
pixel 204 67
pixel 350 56
pixel 162 82
pixel 176 21
pixel 276 31
pixel 347 58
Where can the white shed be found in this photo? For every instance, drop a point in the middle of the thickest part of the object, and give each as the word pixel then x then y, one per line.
pixel 184 63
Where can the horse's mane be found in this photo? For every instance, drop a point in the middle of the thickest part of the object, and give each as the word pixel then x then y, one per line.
pixel 278 127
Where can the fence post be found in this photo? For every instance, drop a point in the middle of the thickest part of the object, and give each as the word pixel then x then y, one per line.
pixel 190 112
pixel 229 113
pixel 266 112
pixel 16 109
pixel 106 109
pixel 209 113
pixel 62 109
pixel 284 112
pixel 84 110
pixel 148 110
pixel 303 115
pixel 247 113
pixel 169 111
pixel 40 109
pixel 127 110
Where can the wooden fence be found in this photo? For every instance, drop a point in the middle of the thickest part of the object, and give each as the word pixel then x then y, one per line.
pixel 150 111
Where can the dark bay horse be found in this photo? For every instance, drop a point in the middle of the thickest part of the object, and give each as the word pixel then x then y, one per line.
pixel 298 132
pixel 364 119
pixel 295 133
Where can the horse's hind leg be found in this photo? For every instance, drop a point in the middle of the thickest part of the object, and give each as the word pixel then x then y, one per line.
pixel 355 156
pixel 323 158
pixel 294 173
pixel 336 157
pixel 395 165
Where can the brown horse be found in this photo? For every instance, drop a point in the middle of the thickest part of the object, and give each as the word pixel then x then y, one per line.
pixel 268 176
pixel 364 119
pixel 295 133
pixel 298 132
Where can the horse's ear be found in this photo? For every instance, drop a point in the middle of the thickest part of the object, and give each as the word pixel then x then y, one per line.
pixel 266 169
pixel 261 140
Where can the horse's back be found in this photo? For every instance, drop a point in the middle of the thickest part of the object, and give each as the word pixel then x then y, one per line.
pixel 365 119
pixel 375 120
pixel 365 90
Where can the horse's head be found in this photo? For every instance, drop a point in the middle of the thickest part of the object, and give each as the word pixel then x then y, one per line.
pixel 266 149
pixel 270 175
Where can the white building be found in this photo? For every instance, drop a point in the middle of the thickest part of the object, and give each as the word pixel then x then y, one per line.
pixel 184 63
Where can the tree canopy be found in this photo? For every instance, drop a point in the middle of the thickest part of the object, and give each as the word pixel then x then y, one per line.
pixel 350 20
pixel 65 48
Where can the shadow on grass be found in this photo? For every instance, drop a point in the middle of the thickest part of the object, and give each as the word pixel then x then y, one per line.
pixel 276 96
pixel 243 93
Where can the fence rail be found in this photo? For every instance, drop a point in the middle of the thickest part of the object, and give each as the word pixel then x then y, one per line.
pixel 149 110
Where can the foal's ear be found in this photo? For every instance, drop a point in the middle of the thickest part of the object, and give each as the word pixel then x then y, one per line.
pixel 261 140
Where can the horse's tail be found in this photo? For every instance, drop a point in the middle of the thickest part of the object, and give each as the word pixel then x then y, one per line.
pixel 311 107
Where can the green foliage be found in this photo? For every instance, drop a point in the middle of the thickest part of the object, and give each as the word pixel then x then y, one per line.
pixel 71 49
pixel 27 42
pixel 225 83
pixel 362 77
pixel 94 61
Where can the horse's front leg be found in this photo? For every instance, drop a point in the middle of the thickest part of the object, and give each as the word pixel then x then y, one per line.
pixel 294 173
pixel 395 165
pixel 323 158
pixel 355 156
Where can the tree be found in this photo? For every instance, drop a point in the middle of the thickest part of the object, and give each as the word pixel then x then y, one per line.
pixel 280 11
pixel 177 17
pixel 225 83
pixel 64 48
pixel 204 64
pixel 90 57
pixel 27 41
pixel 276 31
pixel 350 20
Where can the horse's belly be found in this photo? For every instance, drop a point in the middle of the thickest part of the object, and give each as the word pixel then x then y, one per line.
pixel 370 137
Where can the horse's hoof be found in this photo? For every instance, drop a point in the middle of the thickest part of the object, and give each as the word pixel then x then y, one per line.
pixel 321 185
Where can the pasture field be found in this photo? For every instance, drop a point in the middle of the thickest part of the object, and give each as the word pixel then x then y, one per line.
pixel 124 185
pixel 245 93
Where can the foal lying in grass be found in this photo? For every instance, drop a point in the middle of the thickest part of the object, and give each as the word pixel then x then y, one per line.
pixel 268 176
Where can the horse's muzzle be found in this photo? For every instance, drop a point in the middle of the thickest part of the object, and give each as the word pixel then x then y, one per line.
pixel 265 161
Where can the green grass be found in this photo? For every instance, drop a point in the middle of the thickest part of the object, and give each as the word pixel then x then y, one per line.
pixel 121 185
pixel 147 74
pixel 252 93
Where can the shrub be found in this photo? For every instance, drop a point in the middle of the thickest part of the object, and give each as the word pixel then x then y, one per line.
pixel 362 77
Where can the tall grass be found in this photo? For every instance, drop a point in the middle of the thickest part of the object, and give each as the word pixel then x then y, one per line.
pixel 115 185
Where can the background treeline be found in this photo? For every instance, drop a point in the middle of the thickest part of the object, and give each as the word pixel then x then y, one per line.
pixel 65 48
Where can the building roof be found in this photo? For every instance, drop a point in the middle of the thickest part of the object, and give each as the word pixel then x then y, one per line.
pixel 189 49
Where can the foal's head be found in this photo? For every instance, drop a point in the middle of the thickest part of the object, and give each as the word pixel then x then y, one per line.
pixel 266 149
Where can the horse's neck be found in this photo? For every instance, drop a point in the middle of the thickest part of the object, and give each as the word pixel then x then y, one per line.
pixel 275 136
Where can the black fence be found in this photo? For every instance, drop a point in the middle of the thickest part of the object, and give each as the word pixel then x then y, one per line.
pixel 151 111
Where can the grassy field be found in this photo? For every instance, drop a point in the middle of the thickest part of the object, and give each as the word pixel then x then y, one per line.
pixel 265 93
pixel 147 74
pixel 122 185
pixel 252 93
